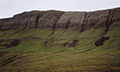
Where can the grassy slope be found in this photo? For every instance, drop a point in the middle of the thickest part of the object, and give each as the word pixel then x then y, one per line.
pixel 32 55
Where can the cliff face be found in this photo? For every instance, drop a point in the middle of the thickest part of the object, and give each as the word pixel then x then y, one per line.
pixel 58 41
pixel 80 21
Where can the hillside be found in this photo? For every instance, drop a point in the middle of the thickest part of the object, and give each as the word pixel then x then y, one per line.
pixel 58 41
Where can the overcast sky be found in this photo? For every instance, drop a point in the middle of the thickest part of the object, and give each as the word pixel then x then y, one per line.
pixel 10 7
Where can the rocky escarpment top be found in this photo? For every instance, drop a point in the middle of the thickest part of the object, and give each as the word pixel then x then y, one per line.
pixel 80 21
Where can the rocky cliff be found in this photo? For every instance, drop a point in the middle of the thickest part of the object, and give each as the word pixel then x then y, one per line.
pixel 80 21
pixel 58 41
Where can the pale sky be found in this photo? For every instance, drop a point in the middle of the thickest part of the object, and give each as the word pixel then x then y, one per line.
pixel 8 8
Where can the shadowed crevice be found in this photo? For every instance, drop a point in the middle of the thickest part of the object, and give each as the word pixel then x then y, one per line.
pixel 82 24
pixel 68 22
pixel 109 20
pixel 55 24
pixel 37 20
pixel 107 26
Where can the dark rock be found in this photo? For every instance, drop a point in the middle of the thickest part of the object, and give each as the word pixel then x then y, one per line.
pixel 101 41
pixel 73 44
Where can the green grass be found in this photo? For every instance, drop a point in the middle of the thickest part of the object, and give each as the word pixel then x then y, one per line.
pixel 34 56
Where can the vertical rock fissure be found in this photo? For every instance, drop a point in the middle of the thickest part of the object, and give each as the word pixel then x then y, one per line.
pixel 108 21
pixel 92 24
pixel 54 25
pixel 14 27
pixel 107 26
pixel 68 22
pixel 37 20
pixel 26 25
pixel 82 24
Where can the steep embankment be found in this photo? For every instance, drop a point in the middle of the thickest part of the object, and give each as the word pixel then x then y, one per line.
pixel 57 41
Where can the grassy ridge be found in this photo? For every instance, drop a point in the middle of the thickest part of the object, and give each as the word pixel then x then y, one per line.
pixel 34 55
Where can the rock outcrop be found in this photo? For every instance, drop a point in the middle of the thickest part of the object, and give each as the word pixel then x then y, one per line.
pixel 80 21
